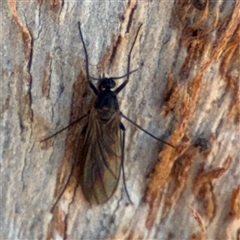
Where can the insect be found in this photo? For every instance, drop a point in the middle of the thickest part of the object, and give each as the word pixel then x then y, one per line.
pixel 102 155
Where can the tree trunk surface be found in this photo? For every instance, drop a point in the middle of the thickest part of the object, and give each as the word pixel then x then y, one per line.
pixel 185 91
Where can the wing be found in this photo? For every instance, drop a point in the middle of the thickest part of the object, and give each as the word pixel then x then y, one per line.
pixel 102 150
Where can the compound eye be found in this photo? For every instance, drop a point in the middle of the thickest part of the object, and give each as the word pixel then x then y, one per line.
pixel 107 83
pixel 112 83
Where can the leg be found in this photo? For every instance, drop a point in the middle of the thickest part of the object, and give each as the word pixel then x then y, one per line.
pixel 129 63
pixel 79 119
pixel 86 59
pixel 160 140
pixel 122 160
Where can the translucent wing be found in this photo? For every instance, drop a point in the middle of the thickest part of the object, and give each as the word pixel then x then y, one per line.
pixel 101 165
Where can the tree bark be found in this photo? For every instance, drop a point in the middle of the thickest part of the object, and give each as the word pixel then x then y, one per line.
pixel 186 91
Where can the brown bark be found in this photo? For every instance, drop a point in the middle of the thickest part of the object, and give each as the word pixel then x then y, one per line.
pixel 186 91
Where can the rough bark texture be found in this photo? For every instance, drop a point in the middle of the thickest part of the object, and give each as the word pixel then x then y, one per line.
pixel 186 90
